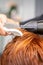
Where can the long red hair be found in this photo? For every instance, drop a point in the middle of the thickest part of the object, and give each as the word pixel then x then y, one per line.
pixel 25 50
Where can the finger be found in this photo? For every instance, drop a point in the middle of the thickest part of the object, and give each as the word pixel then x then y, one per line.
pixel 2 32
pixel 7 33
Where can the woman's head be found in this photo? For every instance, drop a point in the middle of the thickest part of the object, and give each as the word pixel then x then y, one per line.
pixel 25 50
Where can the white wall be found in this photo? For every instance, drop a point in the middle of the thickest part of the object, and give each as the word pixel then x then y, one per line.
pixel 38 7
pixel 27 9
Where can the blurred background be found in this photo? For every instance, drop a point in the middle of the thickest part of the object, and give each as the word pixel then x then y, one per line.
pixel 22 9
pixel 26 9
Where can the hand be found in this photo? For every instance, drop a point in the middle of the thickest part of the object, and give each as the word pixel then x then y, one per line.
pixel 3 19
pixel 3 32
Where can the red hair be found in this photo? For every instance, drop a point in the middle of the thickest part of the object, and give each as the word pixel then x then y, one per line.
pixel 25 50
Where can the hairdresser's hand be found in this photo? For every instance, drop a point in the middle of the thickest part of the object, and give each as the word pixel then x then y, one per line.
pixel 2 22
pixel 3 32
